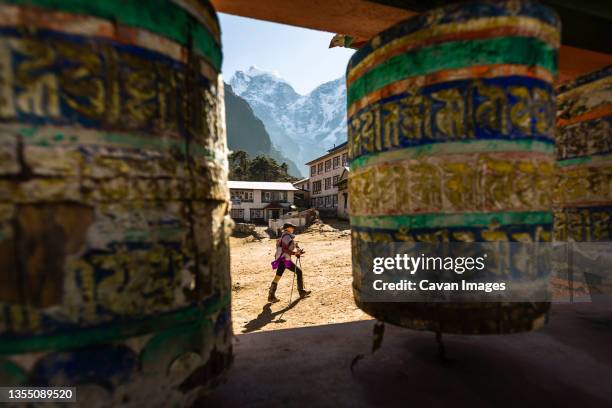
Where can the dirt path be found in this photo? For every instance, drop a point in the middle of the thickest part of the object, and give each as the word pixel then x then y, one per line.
pixel 327 272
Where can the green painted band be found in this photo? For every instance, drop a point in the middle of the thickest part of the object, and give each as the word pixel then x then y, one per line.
pixel 594 160
pixel 458 147
pixel 96 335
pixel 454 55
pixel 15 373
pixel 158 16
pixel 394 222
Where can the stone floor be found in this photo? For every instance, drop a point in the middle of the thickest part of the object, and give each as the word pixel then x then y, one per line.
pixel 568 363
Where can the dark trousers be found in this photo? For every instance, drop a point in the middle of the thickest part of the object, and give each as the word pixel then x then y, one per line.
pixel 294 268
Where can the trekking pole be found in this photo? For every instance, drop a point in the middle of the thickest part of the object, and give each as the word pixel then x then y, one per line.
pixel 299 262
pixel 299 265
pixel 290 295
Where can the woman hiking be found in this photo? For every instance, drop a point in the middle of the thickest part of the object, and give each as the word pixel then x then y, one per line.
pixel 285 248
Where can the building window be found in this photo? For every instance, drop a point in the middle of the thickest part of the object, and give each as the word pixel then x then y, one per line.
pixel 308 186
pixel 313 170
pixel 257 213
pixel 316 187
pixel 327 201
pixel 237 213
pixel 327 165
pixel 313 202
pixel 319 202
pixel 274 196
pixel 242 195
pixel 335 182
pixel 335 201
pixel 344 159
pixel 328 183
pixel 336 162
pixel 320 168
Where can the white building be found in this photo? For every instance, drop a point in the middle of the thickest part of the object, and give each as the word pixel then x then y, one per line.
pixel 259 201
pixel 325 172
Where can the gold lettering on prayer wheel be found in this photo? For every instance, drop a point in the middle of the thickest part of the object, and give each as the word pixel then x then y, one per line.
pixel 451 139
pixel 583 195
pixel 113 200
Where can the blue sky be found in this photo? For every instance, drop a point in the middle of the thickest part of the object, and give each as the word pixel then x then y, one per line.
pixel 298 55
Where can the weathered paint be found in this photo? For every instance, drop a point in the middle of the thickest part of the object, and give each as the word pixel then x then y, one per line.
pixel 451 138
pixel 517 51
pixel 471 219
pixel 160 16
pixel 583 197
pixel 113 200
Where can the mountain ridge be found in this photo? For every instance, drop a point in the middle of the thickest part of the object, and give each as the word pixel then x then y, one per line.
pixel 245 131
pixel 301 127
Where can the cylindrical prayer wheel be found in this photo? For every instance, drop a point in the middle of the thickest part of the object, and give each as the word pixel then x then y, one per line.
pixel 584 154
pixel 114 260
pixel 583 196
pixel 451 139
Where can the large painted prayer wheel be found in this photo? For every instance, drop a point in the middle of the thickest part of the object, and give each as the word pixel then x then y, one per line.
pixel 451 139
pixel 584 154
pixel 114 264
pixel 583 196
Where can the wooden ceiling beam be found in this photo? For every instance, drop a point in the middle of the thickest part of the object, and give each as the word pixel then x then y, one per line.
pixel 362 19
pixel 359 18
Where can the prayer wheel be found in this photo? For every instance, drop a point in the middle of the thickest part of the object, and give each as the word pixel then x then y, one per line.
pixel 584 147
pixel 113 200
pixel 451 139
pixel 583 196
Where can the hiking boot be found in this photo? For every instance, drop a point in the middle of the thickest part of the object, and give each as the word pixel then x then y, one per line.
pixel 300 281
pixel 272 293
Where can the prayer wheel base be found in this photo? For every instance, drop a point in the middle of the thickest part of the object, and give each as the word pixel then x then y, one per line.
pixel 461 318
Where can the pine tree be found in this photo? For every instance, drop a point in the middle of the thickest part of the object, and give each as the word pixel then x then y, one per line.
pixel 260 168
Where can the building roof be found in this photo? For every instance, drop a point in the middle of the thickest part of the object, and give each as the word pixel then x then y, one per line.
pixel 261 185
pixel 339 147
pixel 330 152
pixel 301 181
pixel 343 176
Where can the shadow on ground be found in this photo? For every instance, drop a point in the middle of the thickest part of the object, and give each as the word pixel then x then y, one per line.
pixel 567 363
pixel 267 316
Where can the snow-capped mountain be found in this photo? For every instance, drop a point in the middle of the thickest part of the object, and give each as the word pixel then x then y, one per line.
pixel 246 132
pixel 302 127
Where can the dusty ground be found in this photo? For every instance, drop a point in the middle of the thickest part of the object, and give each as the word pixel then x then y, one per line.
pixel 327 272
